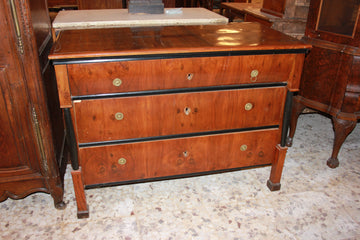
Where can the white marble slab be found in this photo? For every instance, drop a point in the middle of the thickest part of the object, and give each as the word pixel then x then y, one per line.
pixel 108 18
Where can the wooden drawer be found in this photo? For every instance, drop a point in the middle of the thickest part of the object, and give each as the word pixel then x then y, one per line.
pixel 158 115
pixel 129 76
pixel 142 160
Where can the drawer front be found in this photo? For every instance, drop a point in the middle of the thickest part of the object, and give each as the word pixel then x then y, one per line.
pixel 107 164
pixel 158 115
pixel 128 76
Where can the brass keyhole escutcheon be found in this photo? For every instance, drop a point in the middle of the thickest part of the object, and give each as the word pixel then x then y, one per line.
pixel 122 161
pixel 119 116
pixel 117 82
pixel 187 110
pixel 249 106
pixel 243 147
pixel 186 154
pixel 253 75
pixel 189 76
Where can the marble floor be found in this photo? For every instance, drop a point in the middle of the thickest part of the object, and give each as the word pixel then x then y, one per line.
pixel 315 202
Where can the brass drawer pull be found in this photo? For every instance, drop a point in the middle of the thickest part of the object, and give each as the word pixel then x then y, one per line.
pixel 243 147
pixel 253 75
pixel 122 161
pixel 189 76
pixel 249 106
pixel 119 116
pixel 187 110
pixel 117 82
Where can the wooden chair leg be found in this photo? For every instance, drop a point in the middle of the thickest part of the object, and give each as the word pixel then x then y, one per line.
pixel 276 168
pixel 296 110
pixel 82 207
pixel 342 128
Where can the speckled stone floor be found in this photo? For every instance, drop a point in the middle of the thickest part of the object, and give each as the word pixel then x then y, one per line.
pixel 315 202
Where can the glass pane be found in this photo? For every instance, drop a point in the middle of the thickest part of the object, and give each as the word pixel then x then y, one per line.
pixel 338 16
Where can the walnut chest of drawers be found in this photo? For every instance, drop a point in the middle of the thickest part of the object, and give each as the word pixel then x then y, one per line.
pixel 157 103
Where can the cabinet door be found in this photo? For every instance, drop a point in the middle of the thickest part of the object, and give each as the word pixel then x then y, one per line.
pixel 18 150
pixel 27 157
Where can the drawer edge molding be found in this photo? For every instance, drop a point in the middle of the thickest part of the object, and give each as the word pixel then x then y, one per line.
pixel 179 90
pixel 187 175
pixel 197 134
pixel 176 55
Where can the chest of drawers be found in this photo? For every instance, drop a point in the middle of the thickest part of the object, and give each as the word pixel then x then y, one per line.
pixel 157 103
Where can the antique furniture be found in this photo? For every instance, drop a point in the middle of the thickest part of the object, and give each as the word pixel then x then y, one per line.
pixel 331 78
pixel 238 9
pixel 32 130
pixel 155 103
pixel 287 16
pixel 108 18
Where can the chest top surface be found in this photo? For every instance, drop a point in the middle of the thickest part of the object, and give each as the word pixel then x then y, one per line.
pixel 119 42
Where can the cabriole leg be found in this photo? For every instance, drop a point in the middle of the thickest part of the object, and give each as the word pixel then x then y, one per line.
pixel 342 128
pixel 296 110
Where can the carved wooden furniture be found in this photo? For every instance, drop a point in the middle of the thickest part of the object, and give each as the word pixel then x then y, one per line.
pixel 32 131
pixel 155 103
pixel 331 77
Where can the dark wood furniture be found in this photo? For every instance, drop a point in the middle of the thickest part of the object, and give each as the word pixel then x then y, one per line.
pixel 155 103
pixel 232 10
pixel 331 78
pixel 287 16
pixel 32 131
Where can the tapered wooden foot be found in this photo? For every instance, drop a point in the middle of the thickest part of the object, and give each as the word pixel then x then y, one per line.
pixel 296 110
pixel 82 207
pixel 276 168
pixel 342 128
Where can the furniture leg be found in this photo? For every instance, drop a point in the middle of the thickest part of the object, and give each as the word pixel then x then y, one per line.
pixel 57 193
pixel 297 109
pixel 342 128
pixel 276 168
pixel 82 207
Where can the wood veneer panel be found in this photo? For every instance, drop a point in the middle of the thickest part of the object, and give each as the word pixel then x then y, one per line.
pixel 161 115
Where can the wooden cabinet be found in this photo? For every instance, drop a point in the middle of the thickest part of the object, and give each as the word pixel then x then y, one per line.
pixel 157 103
pixel 32 130
pixel 331 78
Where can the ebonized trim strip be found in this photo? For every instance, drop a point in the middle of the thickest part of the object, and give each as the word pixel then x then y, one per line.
pixel 178 90
pixel 175 55
pixel 286 118
pixel 197 134
pixel 171 177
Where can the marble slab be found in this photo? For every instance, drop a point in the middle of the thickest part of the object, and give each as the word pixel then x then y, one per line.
pixel 108 18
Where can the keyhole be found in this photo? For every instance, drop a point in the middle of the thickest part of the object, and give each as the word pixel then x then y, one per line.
pixel 186 153
pixel 187 110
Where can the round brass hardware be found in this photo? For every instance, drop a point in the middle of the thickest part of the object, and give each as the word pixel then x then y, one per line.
pixel 248 106
pixel 122 161
pixel 119 116
pixel 243 147
pixel 187 110
pixel 117 82
pixel 253 75
pixel 189 76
